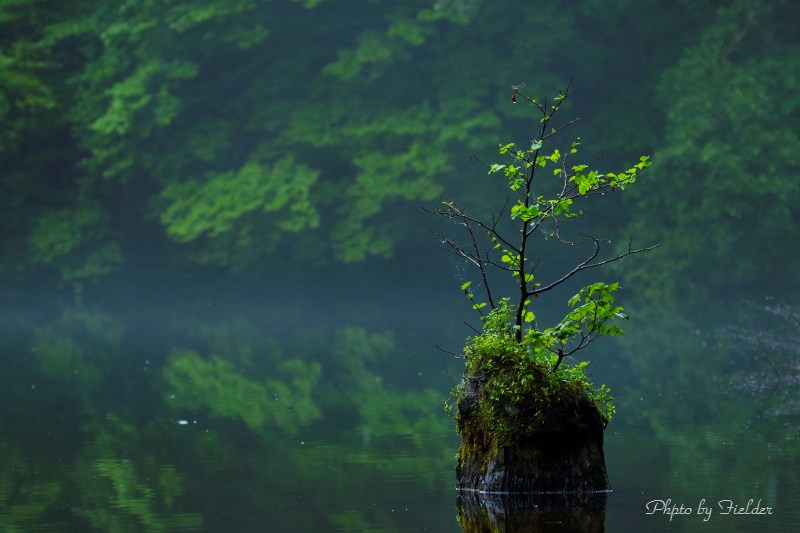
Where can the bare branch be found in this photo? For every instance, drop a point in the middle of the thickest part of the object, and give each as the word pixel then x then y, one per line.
pixel 454 248
pixel 480 266
pixel 587 264
pixel 564 126
pixel 457 356
pixel 471 327
pixel 457 214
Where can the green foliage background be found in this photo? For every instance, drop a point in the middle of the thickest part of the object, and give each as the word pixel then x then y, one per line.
pixel 250 136
pixel 195 151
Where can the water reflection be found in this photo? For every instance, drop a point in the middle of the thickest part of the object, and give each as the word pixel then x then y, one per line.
pixel 223 425
pixel 222 429
pixel 517 513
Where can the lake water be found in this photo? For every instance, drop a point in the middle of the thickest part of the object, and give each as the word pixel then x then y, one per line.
pixel 152 421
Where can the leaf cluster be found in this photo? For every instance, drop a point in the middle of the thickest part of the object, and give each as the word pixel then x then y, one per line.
pixel 539 201
pixel 524 389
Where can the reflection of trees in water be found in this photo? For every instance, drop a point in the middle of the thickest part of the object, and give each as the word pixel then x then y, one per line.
pixel 115 434
pixel 686 425
pixel 767 365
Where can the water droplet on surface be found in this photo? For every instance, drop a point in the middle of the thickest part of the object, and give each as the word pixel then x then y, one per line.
pixel 183 422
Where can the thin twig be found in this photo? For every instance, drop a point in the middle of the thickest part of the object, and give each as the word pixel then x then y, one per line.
pixel 458 356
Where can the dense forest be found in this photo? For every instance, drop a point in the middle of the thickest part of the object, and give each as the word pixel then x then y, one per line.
pixel 279 153
pixel 154 137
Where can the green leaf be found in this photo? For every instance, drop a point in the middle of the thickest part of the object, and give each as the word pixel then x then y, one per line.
pixel 505 148
pixel 465 285
pixel 562 206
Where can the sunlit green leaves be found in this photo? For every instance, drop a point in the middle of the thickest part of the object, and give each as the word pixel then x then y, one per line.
pixel 596 291
pixel 525 213
pixel 220 204
pixel 134 94
pixel 561 206
pixel 511 171
pixel 406 174
pixel 593 308
pixel 510 258
pixel 505 148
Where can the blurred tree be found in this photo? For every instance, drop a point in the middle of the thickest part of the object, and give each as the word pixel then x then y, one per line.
pixel 725 197
pixel 197 116
pixel 215 385
pixel 209 132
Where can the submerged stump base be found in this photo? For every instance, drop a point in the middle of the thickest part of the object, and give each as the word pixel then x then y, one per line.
pixel 511 513
pixel 543 444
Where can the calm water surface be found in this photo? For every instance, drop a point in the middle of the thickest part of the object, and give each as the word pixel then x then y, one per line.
pixel 225 424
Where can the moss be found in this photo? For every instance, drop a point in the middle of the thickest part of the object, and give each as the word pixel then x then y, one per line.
pixel 510 396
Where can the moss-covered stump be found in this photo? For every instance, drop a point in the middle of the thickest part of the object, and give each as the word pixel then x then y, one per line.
pixel 523 428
